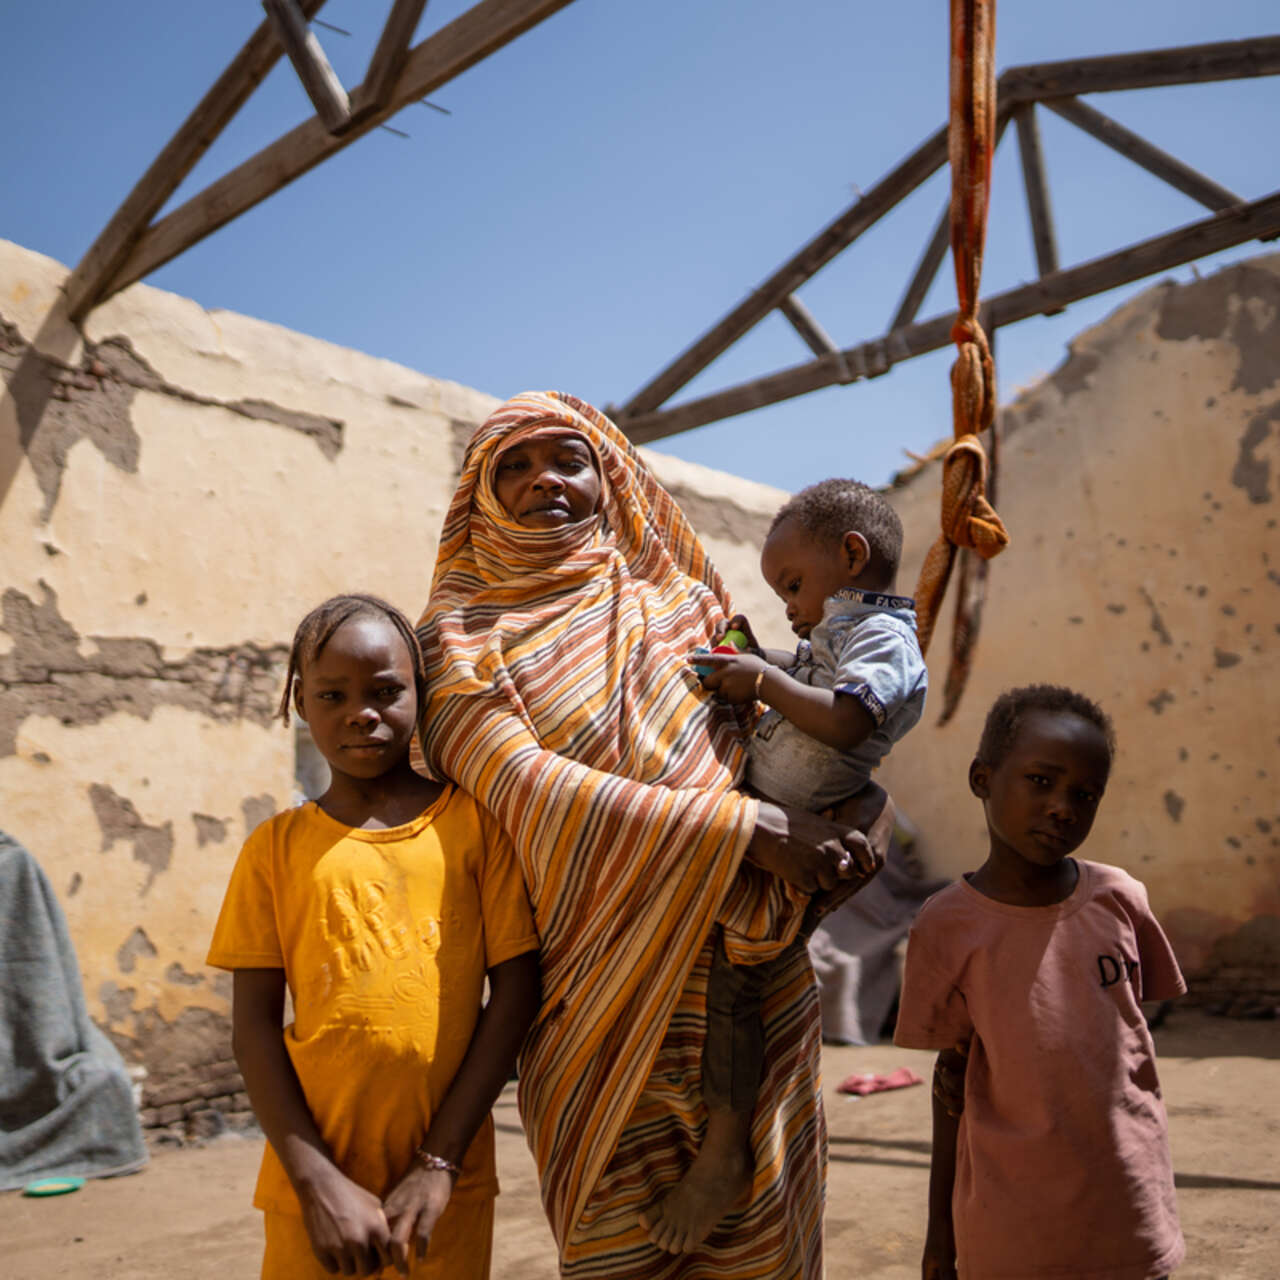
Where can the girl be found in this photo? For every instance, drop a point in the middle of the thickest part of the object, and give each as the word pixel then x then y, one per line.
pixel 383 906
pixel 1034 967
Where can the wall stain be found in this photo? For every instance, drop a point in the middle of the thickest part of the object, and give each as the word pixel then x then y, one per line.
pixel 58 405
pixel 1217 307
pixel 1252 472
pixel 1160 701
pixel 209 830
pixel 176 973
pixel 135 945
pixel 117 1002
pixel 1157 622
pixel 119 820
pixel 45 675
pixel 1174 805
pixel 1224 658
pixel 256 810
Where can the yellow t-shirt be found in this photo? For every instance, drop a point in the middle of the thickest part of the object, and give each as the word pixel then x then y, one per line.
pixel 384 938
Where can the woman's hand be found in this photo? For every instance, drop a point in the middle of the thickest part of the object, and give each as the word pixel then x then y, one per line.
pixel 808 851
pixel 346 1225
pixel 413 1209
pixel 870 810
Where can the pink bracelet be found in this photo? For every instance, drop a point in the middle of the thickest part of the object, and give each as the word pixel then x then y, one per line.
pixel 430 1161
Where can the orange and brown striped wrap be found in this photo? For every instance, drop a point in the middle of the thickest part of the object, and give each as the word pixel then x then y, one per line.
pixel 968 520
pixel 560 696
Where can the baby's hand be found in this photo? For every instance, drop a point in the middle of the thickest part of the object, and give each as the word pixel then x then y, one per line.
pixel 737 623
pixel 413 1209
pixel 732 676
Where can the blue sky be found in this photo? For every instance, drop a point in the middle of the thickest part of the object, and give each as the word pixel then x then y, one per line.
pixel 618 178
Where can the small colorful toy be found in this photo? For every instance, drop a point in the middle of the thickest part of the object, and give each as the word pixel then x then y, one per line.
pixel 732 641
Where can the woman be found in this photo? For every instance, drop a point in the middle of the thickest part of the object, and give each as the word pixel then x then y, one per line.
pixel 568 593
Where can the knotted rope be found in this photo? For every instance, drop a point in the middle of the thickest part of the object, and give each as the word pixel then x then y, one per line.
pixel 968 520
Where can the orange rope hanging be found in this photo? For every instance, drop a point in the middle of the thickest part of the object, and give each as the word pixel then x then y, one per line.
pixel 968 519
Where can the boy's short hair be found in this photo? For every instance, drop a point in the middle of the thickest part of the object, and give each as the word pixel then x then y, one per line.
pixel 1008 710
pixel 831 508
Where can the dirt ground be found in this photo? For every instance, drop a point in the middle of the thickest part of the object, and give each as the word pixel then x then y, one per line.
pixel 187 1215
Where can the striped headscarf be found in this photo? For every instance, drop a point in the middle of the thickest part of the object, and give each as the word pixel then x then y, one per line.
pixel 560 696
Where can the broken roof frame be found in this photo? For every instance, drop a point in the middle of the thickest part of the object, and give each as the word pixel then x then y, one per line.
pixel 133 244
pixel 1055 86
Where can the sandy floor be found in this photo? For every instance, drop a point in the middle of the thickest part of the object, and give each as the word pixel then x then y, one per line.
pixel 187 1214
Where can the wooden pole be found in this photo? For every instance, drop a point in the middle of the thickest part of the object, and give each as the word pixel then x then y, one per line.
pixel 1037 187
pixel 86 285
pixel 469 38
pixel 1133 147
pixel 1257 220
pixel 1149 69
pixel 802 321
pixel 318 78
pixel 390 56
pixel 926 271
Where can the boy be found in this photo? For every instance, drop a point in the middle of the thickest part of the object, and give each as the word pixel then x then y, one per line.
pixel 1050 1140
pixel 855 685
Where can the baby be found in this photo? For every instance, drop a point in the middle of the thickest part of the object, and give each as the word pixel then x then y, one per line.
pixel 855 685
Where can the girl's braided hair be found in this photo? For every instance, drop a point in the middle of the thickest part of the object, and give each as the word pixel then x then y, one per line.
pixel 1008 710
pixel 317 628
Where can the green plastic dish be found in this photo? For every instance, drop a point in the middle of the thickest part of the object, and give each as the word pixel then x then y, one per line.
pixel 52 1186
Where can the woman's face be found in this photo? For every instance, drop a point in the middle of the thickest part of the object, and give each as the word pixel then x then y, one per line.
pixel 548 481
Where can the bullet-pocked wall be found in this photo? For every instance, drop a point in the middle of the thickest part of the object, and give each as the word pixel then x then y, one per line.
pixel 1140 485
pixel 177 487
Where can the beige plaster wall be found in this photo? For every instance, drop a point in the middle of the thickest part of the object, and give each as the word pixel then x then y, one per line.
pixel 1139 483
pixel 177 487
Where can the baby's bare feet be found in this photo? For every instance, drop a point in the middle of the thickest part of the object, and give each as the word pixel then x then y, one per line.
pixel 718 1179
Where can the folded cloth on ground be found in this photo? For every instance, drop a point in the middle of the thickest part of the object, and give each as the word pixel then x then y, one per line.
pixel 864 1084
pixel 66 1104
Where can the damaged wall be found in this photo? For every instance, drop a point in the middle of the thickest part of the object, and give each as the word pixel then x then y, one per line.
pixel 177 487
pixel 1141 485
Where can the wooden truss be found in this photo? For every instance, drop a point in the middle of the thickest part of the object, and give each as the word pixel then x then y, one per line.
pixel 132 245
pixel 1054 86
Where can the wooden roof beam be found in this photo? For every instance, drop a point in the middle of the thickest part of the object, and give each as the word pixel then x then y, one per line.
pixel 390 55
pixel 1136 148
pixel 1148 69
pixel 472 36
pixel 87 284
pixel 1036 184
pixel 1257 220
pixel 318 78
pixel 806 325
pixel 837 236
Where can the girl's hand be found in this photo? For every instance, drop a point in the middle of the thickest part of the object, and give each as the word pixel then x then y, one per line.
pixel 346 1225
pixel 939 1260
pixel 413 1209
pixel 809 852
pixel 733 676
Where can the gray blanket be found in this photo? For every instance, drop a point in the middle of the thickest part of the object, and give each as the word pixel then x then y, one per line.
pixel 66 1106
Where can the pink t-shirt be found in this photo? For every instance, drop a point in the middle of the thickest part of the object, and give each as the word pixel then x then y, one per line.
pixel 1062 1163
